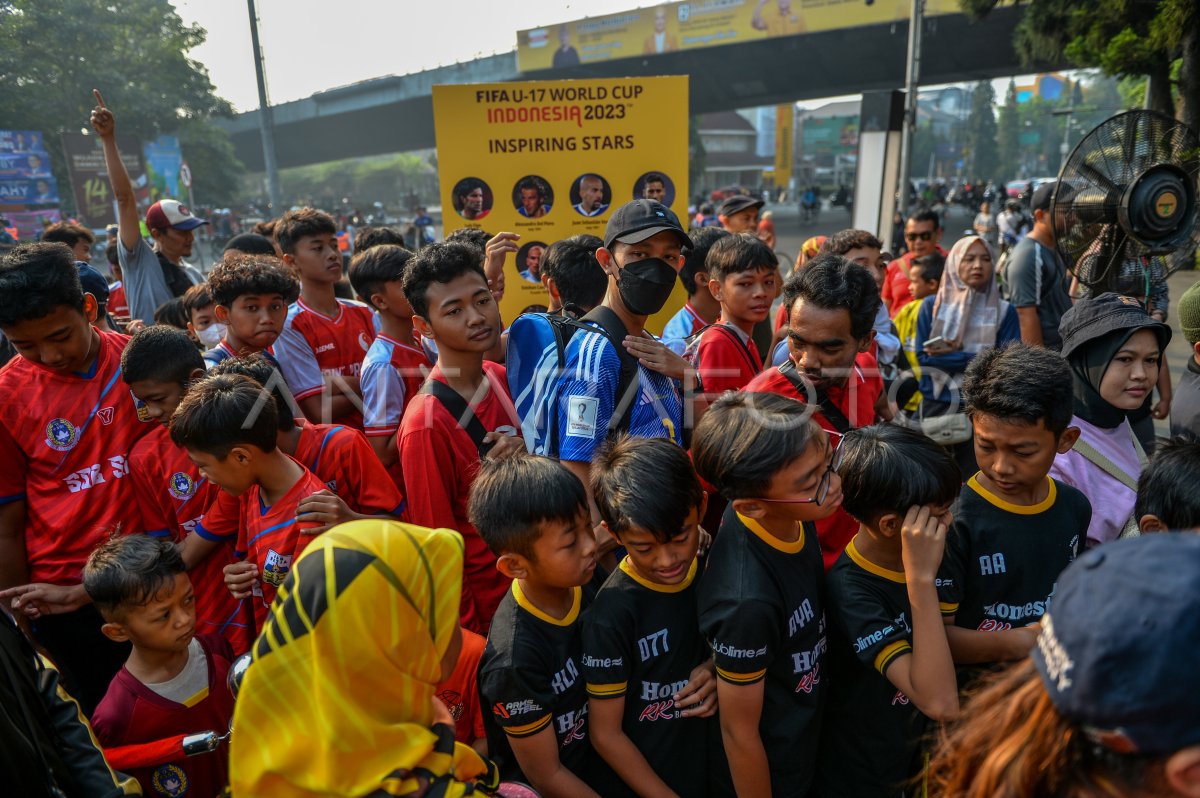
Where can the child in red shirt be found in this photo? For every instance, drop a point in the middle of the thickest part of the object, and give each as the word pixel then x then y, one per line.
pixel 251 294
pixel 322 345
pixel 228 424
pixel 396 364
pixel 448 292
pixel 743 277
pixel 460 693
pixel 67 426
pixel 357 484
pixel 174 680
pixel 157 365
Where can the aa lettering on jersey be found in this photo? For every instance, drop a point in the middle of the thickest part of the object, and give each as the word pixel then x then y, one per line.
pixel 866 641
pixel 565 678
pixel 648 646
pixel 727 650
pixel 991 564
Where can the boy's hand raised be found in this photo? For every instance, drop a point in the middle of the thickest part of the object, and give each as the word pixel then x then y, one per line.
pixel 102 119
pixel 505 446
pixel 923 540
pixel 497 249
pixel 240 577
pixel 655 355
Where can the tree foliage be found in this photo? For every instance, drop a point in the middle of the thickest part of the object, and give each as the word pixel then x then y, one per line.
pixel 54 52
pixel 1122 37
pixel 981 131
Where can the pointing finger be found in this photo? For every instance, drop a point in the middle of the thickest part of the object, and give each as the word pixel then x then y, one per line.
pixel 99 98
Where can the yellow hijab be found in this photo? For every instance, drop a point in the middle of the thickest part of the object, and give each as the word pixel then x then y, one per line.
pixel 339 699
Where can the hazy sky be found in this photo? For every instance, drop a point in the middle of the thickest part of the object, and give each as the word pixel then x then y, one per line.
pixel 312 45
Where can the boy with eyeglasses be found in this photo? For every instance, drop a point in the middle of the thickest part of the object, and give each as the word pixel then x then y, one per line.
pixel 761 607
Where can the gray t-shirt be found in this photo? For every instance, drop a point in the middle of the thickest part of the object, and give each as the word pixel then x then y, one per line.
pixel 142 275
pixel 1036 277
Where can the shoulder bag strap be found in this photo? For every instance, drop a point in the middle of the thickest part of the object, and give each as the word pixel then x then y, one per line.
pixel 742 345
pixel 828 409
pixel 463 415
pixel 1093 456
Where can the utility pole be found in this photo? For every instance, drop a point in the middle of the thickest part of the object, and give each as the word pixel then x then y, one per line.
pixel 266 120
pixel 915 23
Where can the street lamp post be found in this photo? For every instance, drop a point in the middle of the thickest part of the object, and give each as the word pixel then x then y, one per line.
pixel 915 24
pixel 266 120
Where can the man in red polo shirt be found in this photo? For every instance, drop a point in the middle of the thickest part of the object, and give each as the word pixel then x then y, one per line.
pixel 923 234
pixel 831 309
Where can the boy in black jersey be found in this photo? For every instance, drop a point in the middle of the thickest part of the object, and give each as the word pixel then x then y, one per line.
pixel 761 608
pixel 533 514
pixel 648 670
pixel 1015 527
pixel 887 643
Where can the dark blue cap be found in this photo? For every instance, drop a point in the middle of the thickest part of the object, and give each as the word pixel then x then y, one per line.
pixel 1119 644
pixel 93 282
pixel 640 219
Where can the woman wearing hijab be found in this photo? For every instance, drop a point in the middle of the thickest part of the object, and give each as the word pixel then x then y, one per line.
pixel 1114 349
pixel 339 700
pixel 964 317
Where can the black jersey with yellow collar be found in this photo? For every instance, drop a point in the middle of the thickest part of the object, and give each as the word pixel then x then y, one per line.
pixel 872 736
pixel 1003 560
pixel 761 611
pixel 641 641
pixel 529 678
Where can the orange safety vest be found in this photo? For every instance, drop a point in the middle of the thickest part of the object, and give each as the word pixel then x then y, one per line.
pixel 343 242
pixel 14 232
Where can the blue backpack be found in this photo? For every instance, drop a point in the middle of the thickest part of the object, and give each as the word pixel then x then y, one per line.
pixel 537 352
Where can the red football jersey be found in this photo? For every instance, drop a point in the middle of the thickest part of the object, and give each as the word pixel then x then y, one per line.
pixel 132 713
pixel 313 346
pixel 726 361
pixel 440 462
pixel 856 400
pixel 173 497
pixel 118 305
pixel 269 537
pixel 346 463
pixel 65 441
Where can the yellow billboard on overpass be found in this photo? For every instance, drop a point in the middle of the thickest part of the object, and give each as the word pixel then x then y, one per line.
pixel 672 27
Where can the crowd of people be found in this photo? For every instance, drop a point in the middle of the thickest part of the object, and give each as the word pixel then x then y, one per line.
pixel 900 537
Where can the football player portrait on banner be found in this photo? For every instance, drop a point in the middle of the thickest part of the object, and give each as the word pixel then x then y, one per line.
pixel 561 156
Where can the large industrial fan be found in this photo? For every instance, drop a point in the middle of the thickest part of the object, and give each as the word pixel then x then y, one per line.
pixel 1129 192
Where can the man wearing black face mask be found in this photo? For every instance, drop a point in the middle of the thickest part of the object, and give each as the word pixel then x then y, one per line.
pixel 642 256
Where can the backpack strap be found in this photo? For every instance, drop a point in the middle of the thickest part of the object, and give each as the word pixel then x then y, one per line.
pixel 743 346
pixel 828 409
pixel 463 415
pixel 614 329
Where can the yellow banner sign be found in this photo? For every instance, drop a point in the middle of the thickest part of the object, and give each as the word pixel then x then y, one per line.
pixel 785 125
pixel 552 159
pixel 671 27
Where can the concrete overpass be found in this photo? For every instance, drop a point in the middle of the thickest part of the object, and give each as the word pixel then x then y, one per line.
pixel 395 113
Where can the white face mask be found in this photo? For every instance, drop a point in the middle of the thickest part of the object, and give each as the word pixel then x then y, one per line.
pixel 211 335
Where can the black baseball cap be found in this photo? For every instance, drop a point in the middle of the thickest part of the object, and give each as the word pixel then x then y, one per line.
pixel 738 202
pixel 1089 319
pixel 1118 647
pixel 1040 201
pixel 640 219
pixel 250 244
